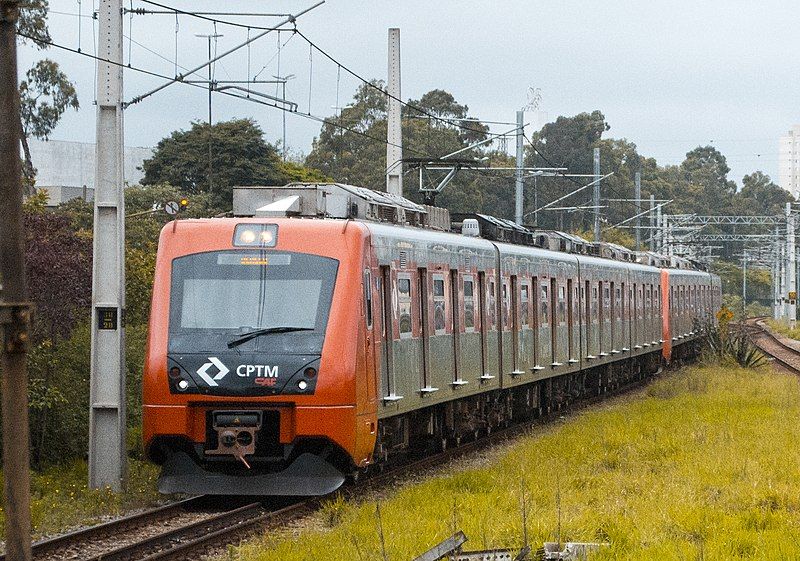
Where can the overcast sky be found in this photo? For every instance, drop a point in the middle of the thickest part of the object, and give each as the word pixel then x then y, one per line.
pixel 667 75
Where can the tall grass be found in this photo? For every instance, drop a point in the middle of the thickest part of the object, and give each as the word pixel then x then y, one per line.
pixel 782 327
pixel 61 499
pixel 702 464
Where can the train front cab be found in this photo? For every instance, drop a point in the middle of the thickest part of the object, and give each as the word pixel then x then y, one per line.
pixel 286 412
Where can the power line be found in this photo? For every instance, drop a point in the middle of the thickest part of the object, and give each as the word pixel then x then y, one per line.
pixel 549 162
pixel 177 11
pixel 452 122
pixel 309 116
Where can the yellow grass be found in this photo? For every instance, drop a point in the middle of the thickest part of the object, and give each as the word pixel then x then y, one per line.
pixel 702 464
pixel 61 499
pixel 782 327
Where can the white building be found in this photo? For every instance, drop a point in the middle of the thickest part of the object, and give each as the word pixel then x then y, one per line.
pixel 789 161
pixel 66 169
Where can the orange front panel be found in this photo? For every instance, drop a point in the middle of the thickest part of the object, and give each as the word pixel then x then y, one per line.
pixel 342 367
pixel 666 332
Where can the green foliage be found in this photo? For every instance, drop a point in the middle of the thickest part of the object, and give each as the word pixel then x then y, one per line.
pixel 239 156
pixel 45 94
pixel 294 172
pixel 352 157
pixel 611 235
pixel 37 203
pixel 730 347
pixel 32 22
pixel 61 499
pixel 782 327
pixel 686 465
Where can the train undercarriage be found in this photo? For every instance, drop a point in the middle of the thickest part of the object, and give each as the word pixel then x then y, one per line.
pixel 449 424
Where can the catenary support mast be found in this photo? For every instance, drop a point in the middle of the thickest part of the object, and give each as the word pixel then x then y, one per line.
pixel 107 458
pixel 596 197
pixel 518 187
pixel 394 131
pixel 638 196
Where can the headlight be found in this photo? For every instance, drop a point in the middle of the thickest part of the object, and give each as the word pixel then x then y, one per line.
pixel 255 235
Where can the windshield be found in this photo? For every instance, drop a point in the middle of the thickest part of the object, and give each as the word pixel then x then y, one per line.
pixel 218 295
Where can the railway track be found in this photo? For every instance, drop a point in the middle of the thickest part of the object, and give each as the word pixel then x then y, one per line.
pixel 778 350
pixel 194 527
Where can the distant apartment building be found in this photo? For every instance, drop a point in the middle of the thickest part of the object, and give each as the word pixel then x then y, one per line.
pixel 789 161
pixel 66 169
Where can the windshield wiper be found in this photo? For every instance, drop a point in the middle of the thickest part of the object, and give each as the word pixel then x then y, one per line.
pixel 245 337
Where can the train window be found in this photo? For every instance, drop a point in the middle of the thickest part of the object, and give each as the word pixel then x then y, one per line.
pixel 524 298
pixel 505 305
pixel 439 312
pixel 368 298
pixel 544 315
pixel 594 304
pixel 492 305
pixel 469 304
pixel 404 306
pixel 619 305
pixel 562 305
pixel 606 298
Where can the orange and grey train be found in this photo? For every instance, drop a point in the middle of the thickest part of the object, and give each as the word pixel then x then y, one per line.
pixel 288 353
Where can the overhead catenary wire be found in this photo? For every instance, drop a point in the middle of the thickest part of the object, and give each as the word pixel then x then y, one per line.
pixel 371 84
pixel 316 118
pixel 452 122
pixel 200 15
pixel 179 77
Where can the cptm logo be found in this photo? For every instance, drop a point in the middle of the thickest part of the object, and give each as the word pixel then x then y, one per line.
pixel 222 370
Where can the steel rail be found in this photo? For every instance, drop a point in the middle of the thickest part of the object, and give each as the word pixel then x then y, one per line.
pixel 756 327
pixel 111 528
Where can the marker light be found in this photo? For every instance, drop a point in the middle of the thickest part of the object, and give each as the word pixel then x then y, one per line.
pixel 310 372
pixel 255 235
pixel 183 385
pixel 302 384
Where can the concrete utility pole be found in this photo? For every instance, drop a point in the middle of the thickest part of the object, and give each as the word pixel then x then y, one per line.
pixel 596 197
pixel 14 306
pixel 637 181
pixel 791 301
pixel 107 457
pixel 518 193
pixel 652 223
pixel 659 230
pixel 394 130
pixel 744 282
pixel 776 288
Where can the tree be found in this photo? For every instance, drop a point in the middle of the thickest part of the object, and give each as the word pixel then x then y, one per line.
pixel 705 170
pixel 760 196
pixel 357 154
pixel 241 156
pixel 45 94
pixel 53 250
pixel 568 142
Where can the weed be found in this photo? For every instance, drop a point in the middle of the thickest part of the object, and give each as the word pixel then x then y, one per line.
pixel 61 498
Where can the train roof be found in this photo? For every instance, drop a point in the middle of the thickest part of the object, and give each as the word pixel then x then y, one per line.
pixel 342 201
